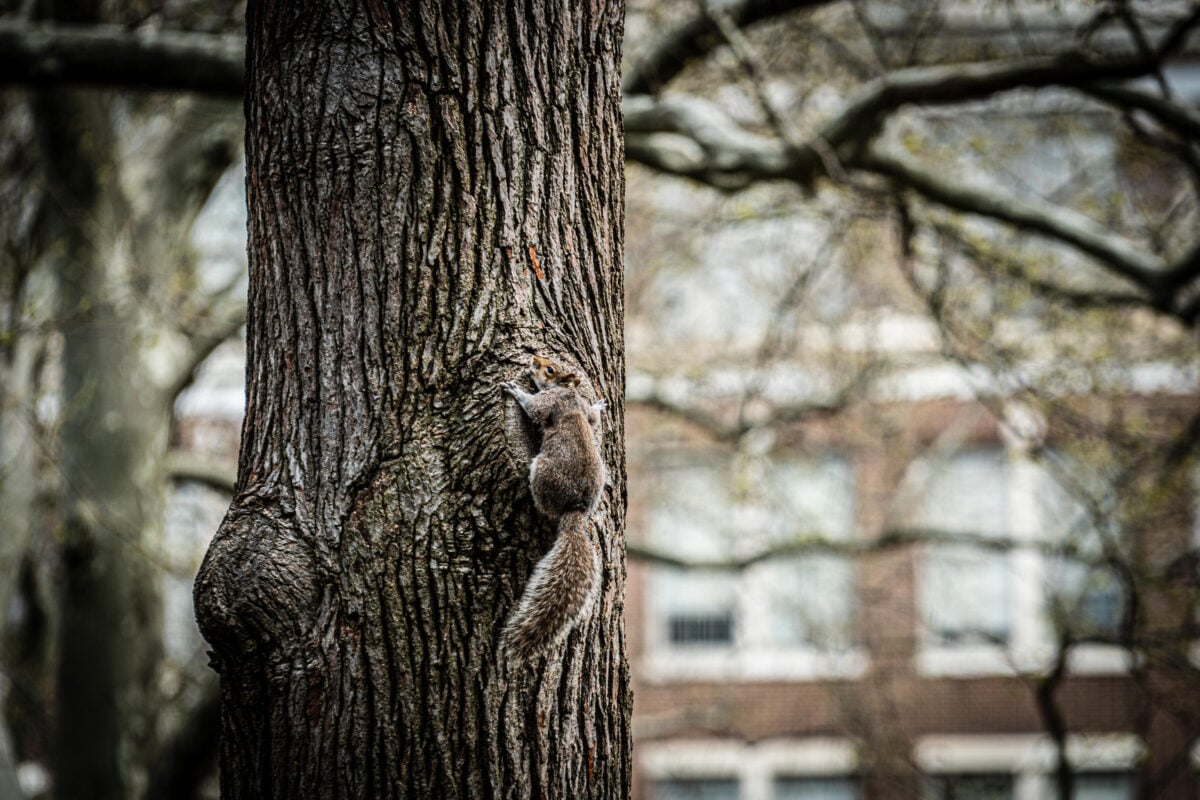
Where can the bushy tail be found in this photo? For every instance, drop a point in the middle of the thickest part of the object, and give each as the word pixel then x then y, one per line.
pixel 558 593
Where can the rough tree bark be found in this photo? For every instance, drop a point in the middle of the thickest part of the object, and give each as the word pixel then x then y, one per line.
pixel 435 192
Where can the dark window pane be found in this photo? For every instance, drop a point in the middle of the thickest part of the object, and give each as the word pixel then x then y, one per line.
pixel 707 629
pixel 816 788
pixel 1101 609
pixel 1103 786
pixel 971 787
pixel 696 789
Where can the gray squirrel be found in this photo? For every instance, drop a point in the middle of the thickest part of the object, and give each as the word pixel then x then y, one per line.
pixel 566 478
pixel 546 373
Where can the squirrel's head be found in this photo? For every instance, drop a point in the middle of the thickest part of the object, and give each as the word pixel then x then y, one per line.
pixel 547 373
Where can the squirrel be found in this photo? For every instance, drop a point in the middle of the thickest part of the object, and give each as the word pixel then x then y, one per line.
pixel 546 373
pixel 566 478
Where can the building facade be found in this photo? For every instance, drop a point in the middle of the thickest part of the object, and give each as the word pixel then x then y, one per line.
pixel 914 600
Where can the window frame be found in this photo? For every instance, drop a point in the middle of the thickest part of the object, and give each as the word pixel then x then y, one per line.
pixel 755 766
pixel 1030 758
pixel 1031 642
pixel 749 656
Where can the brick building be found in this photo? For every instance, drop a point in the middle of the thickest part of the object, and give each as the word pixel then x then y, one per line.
pixel 877 660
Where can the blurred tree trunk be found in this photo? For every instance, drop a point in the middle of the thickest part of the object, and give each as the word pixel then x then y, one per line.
pixel 435 192
pixel 20 286
pixel 121 265
pixel 132 329
pixel 112 439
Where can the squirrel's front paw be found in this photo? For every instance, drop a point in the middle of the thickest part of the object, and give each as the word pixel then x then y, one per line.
pixel 511 388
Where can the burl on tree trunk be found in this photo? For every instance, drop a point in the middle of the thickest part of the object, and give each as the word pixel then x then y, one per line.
pixel 435 192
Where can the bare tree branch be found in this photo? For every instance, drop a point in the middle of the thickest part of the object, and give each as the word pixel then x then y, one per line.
pixel 1045 694
pixel 1160 280
pixel 721 431
pixel 109 55
pixel 753 66
pixel 225 318
pixel 696 38
pixel 682 135
pixel 959 83
pixel 202 143
pixel 187 467
pixel 991 259
pixel 1057 222
pixel 1182 119
pixel 806 544
pixel 1185 270
pixel 692 137
pixel 1190 311
pixel 1177 35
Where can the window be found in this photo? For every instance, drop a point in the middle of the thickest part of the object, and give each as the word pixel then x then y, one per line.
pixel 810 600
pixel 702 629
pixel 965 589
pixel 1078 510
pixel 724 508
pixel 696 789
pixel 1105 786
pixel 816 788
pixel 1022 766
pixel 813 768
pixel 697 607
pixel 970 787
pixel 689 516
pixel 993 611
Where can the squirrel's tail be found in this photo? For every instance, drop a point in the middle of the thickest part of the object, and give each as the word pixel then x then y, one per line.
pixel 558 594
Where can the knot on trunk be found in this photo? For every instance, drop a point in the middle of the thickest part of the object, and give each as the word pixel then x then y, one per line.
pixel 258 589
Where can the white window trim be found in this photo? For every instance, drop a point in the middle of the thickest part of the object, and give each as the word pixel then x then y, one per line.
pixel 980 658
pixel 743 661
pixel 755 767
pixel 1029 758
pixel 662 664
pixel 984 660
pixel 748 659
pixel 1030 647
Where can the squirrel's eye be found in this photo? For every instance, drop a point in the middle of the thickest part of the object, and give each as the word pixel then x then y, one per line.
pixel 549 370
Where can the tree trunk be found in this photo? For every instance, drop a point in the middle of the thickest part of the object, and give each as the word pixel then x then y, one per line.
pixel 435 192
pixel 18 466
pixel 111 446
